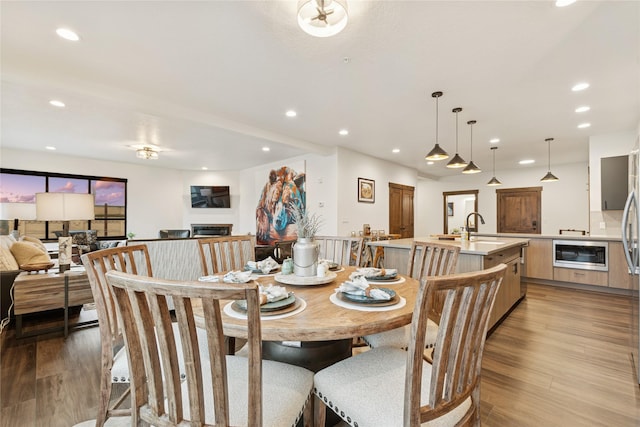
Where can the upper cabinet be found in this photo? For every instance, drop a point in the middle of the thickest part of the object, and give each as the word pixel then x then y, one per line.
pixel 614 176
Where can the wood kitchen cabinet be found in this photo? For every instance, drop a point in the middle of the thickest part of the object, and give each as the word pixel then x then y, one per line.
pixel 585 277
pixel 509 292
pixel 619 276
pixel 538 259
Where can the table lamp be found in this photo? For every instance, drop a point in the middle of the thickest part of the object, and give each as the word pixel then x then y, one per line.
pixel 17 211
pixel 64 207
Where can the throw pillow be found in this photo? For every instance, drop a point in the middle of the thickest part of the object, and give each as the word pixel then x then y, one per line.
pixel 27 253
pixel 7 261
pixel 35 241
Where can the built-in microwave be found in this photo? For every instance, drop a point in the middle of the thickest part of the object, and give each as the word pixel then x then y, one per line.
pixel 581 254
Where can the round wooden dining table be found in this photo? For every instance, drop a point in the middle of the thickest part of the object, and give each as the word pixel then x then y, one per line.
pixel 323 320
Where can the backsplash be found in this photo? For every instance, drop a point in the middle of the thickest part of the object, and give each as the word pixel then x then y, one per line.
pixel 612 222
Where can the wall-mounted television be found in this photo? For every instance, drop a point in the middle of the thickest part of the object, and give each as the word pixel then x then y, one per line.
pixel 208 196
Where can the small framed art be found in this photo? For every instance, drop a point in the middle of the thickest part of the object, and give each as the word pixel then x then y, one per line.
pixel 366 190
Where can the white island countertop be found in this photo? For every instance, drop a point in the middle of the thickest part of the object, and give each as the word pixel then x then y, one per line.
pixel 477 245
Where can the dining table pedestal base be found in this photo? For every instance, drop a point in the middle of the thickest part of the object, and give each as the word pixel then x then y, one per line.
pixel 312 355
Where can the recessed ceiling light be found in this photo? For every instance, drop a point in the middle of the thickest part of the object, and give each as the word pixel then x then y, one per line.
pixel 57 103
pixel 50 147
pixel 291 113
pixel 430 162
pixel 344 132
pixel 584 125
pixel 563 3
pixel 583 109
pixel 266 149
pixel 204 168
pixel 526 162
pixel 494 140
pixel 67 34
pixel 580 86
pixel 395 150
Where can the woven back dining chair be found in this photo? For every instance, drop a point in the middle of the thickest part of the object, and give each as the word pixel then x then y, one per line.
pixel 342 250
pixel 218 389
pixel 389 387
pixel 219 254
pixel 115 369
pixel 425 259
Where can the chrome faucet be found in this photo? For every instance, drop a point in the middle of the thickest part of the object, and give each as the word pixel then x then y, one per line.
pixel 467 221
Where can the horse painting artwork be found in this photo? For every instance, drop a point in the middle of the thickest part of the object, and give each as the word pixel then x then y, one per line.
pixel 284 189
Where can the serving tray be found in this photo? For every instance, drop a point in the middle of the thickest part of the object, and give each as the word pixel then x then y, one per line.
pixel 292 279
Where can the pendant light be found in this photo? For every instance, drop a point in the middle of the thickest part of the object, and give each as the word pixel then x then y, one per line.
pixel 494 181
pixel 549 177
pixel 471 167
pixel 456 161
pixel 436 153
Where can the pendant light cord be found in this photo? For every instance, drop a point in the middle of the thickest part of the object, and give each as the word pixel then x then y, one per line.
pixel 437 119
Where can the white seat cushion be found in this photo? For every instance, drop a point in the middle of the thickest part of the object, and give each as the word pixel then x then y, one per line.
pixel 399 338
pixel 120 368
pixel 368 389
pixel 285 389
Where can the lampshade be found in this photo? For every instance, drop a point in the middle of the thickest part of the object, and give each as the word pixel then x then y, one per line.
pixel 456 161
pixel 494 181
pixel 436 153
pixel 549 177
pixel 147 153
pixel 471 167
pixel 64 206
pixel 322 18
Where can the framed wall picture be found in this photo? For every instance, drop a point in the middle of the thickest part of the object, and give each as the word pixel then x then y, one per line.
pixel 366 190
pixel 450 209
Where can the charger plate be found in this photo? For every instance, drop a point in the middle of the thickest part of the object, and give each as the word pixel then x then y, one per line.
pixel 363 299
pixel 297 304
pixel 292 279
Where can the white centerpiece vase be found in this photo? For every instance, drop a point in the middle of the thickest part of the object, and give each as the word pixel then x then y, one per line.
pixel 305 257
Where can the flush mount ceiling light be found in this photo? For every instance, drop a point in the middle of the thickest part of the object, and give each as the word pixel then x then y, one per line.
pixel 456 161
pixel 322 18
pixel 436 153
pixel 549 177
pixel 147 153
pixel 494 181
pixel 471 167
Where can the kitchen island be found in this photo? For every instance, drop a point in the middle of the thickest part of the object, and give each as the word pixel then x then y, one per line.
pixel 476 254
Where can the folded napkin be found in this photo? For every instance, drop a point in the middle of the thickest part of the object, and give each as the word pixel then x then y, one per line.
pixel 266 265
pixel 237 277
pixel 359 286
pixel 272 293
pixel 209 279
pixel 375 272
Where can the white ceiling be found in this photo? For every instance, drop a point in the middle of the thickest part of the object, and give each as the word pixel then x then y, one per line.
pixel 209 82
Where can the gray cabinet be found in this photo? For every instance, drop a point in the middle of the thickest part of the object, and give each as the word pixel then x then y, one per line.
pixel 614 178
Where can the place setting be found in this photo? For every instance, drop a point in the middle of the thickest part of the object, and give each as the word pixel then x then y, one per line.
pixel 357 294
pixel 375 276
pixel 266 267
pixel 275 303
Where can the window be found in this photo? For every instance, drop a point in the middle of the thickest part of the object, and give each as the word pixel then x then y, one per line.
pixel 17 201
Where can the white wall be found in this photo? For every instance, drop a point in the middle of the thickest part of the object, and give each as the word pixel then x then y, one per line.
pixel 565 203
pixel 211 216
pixel 321 188
pixel 353 214
pixel 154 195
pixel 617 144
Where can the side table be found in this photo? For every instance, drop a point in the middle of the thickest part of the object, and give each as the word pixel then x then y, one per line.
pixel 36 292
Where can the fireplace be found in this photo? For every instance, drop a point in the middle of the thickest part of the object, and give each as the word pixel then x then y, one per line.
pixel 200 230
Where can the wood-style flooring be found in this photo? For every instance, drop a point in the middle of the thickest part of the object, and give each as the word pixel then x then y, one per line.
pixel 562 358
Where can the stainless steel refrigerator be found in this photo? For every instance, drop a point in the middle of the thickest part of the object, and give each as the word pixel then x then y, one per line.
pixel 630 241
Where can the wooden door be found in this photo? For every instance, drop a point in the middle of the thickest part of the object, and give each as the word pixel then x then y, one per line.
pixel 401 210
pixel 519 210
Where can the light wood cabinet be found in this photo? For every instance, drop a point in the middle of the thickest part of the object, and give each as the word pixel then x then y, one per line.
pixel 619 276
pixel 538 259
pixel 585 277
pixel 509 291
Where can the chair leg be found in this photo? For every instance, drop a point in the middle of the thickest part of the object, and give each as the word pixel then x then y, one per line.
pixel 320 411
pixel 308 415
pixel 105 397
